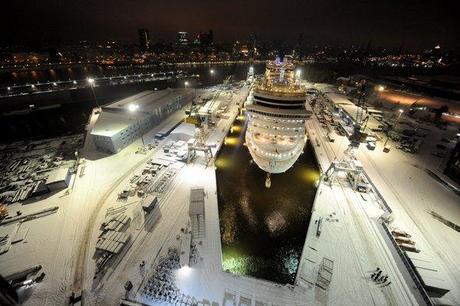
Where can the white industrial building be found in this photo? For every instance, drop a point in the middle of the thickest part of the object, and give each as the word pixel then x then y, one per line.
pixel 122 122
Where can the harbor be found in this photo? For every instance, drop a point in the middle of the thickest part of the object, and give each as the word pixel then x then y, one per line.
pixel 183 214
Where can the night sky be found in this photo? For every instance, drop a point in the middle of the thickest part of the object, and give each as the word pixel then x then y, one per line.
pixel 413 24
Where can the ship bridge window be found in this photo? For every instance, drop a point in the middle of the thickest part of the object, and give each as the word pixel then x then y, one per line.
pixel 281 106
pixel 293 116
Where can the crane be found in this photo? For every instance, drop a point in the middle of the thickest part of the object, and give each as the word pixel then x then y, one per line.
pixel 361 118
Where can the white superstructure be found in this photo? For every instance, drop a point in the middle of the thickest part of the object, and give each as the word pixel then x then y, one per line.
pixel 275 135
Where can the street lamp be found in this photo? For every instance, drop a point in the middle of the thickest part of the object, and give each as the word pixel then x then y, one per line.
pixel 211 71
pixel 186 83
pixel 91 83
pixel 400 111
pixel 381 88
pixel 132 108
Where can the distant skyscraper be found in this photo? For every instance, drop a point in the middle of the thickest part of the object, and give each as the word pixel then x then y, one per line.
pixel 299 47
pixel 205 39
pixel 210 37
pixel 182 39
pixel 144 39
pixel 252 46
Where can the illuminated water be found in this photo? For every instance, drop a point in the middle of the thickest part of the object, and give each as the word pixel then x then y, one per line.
pixel 263 230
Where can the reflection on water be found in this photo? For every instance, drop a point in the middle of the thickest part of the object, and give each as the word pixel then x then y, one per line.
pixel 81 72
pixel 262 230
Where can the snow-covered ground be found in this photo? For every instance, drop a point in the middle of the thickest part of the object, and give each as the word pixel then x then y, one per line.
pixel 57 242
pixel 411 192
pixel 64 242
pixel 351 243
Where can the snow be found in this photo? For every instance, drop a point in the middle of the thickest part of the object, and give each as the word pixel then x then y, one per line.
pixel 64 242
pixel 56 241
pixel 410 192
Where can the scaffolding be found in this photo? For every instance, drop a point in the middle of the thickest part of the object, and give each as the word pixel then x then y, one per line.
pixel 325 271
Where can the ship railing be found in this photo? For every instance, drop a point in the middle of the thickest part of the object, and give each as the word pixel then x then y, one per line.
pixel 279 114
pixel 291 92
pixel 273 65
pixel 379 195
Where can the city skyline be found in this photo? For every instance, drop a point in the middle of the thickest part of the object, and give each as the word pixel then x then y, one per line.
pixel 410 25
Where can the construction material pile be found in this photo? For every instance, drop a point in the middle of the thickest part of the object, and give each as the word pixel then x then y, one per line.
pixel 161 287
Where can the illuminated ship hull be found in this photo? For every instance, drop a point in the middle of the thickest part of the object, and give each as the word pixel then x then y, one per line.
pixel 275 134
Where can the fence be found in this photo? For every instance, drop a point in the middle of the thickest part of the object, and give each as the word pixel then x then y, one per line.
pixel 382 199
pixel 409 267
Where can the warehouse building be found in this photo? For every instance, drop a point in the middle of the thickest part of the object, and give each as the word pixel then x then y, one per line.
pixel 124 121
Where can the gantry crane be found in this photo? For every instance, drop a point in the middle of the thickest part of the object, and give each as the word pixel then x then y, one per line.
pixel 361 118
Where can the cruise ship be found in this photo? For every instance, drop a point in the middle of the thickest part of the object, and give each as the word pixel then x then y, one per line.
pixel 275 134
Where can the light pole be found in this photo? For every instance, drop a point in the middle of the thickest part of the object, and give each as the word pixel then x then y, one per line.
pixel 187 84
pixel 91 83
pixel 400 111
pixel 212 72
pixel 132 108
